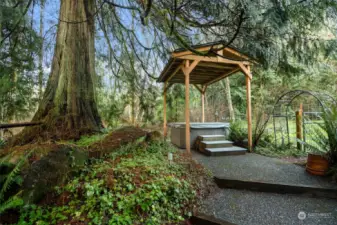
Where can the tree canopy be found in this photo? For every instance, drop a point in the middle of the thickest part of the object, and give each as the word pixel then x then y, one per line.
pixel 293 41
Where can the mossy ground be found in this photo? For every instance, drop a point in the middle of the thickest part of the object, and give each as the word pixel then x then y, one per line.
pixel 132 184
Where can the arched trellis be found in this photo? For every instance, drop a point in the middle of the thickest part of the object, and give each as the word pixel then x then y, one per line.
pixel 283 103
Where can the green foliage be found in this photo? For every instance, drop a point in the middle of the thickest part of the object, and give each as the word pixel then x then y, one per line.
pixel 325 136
pixel 2 143
pixel 134 185
pixel 237 131
pixel 89 139
pixel 18 46
pixel 11 203
pixel 10 175
pixel 272 151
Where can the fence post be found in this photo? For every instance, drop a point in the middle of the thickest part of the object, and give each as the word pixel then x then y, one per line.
pixel 299 128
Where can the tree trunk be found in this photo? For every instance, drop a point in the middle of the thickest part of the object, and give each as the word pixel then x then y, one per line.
pixel 41 50
pixel 68 108
pixel 229 99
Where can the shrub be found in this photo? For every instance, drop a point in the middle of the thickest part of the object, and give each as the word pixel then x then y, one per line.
pixel 237 133
pixel 324 137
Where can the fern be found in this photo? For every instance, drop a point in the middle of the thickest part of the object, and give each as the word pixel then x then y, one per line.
pixel 12 177
pixel 10 204
pixel 4 160
pixel 325 136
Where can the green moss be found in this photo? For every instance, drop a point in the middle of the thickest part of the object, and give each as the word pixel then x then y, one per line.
pixel 88 140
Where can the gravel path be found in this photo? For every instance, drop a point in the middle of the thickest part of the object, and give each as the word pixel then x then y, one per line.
pixel 254 167
pixel 256 208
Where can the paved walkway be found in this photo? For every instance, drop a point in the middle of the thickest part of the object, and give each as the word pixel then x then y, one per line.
pixel 257 208
pixel 254 167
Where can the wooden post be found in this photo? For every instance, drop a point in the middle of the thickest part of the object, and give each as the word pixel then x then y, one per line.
pixel 187 105
pixel 299 128
pixel 249 115
pixel 164 111
pixel 203 107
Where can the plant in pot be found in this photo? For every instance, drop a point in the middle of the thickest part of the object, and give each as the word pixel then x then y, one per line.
pixel 322 150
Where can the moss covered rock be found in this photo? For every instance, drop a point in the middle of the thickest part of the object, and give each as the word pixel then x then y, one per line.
pixel 50 171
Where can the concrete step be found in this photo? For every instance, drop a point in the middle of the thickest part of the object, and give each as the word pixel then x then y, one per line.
pixel 216 144
pixel 233 150
pixel 211 137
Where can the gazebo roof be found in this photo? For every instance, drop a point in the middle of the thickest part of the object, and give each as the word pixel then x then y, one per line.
pixel 218 63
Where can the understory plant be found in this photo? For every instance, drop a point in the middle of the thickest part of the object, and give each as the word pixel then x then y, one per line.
pixel 10 181
pixel 324 138
pixel 237 132
pixel 2 143
pixel 135 184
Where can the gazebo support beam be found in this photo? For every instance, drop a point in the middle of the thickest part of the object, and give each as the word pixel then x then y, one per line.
pixel 197 87
pixel 187 69
pixel 249 115
pixel 246 71
pixel 223 76
pixel 213 59
pixel 187 105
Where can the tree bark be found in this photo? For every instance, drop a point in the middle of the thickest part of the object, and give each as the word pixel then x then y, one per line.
pixel 68 108
pixel 42 2
pixel 229 99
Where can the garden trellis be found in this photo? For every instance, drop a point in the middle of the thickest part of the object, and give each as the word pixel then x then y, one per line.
pixel 311 103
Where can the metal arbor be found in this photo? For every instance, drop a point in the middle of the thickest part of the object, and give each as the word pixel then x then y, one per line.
pixel 314 104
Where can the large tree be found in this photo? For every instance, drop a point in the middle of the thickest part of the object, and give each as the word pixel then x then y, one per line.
pixel 68 108
pixel 267 29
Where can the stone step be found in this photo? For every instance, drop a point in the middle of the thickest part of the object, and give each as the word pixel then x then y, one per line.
pixel 233 150
pixel 216 144
pixel 212 137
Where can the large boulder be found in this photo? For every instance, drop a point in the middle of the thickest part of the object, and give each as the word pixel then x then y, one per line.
pixel 51 170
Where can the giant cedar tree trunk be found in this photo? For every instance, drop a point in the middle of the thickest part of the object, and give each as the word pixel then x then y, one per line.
pixel 68 108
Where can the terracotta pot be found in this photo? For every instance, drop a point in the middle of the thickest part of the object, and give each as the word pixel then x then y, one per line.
pixel 317 164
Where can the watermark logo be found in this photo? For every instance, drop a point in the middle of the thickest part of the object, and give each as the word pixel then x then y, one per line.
pixel 307 215
pixel 302 215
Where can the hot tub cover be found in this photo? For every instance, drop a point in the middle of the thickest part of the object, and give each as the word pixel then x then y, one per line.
pixel 200 125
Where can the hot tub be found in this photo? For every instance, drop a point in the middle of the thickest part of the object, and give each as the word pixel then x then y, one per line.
pixel 178 135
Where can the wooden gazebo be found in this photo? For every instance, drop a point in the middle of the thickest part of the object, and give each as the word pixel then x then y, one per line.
pixel 201 70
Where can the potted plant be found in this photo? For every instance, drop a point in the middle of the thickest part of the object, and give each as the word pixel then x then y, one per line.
pixel 322 151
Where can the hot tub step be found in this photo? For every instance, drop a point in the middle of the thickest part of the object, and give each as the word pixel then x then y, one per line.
pixel 234 150
pixel 212 137
pixel 216 144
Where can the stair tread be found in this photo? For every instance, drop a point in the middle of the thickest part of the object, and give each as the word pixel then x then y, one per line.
pixel 211 136
pixel 217 142
pixel 226 149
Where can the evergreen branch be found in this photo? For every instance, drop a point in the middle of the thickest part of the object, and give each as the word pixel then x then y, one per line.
pixel 17 23
pixel 146 12
pixel 122 6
